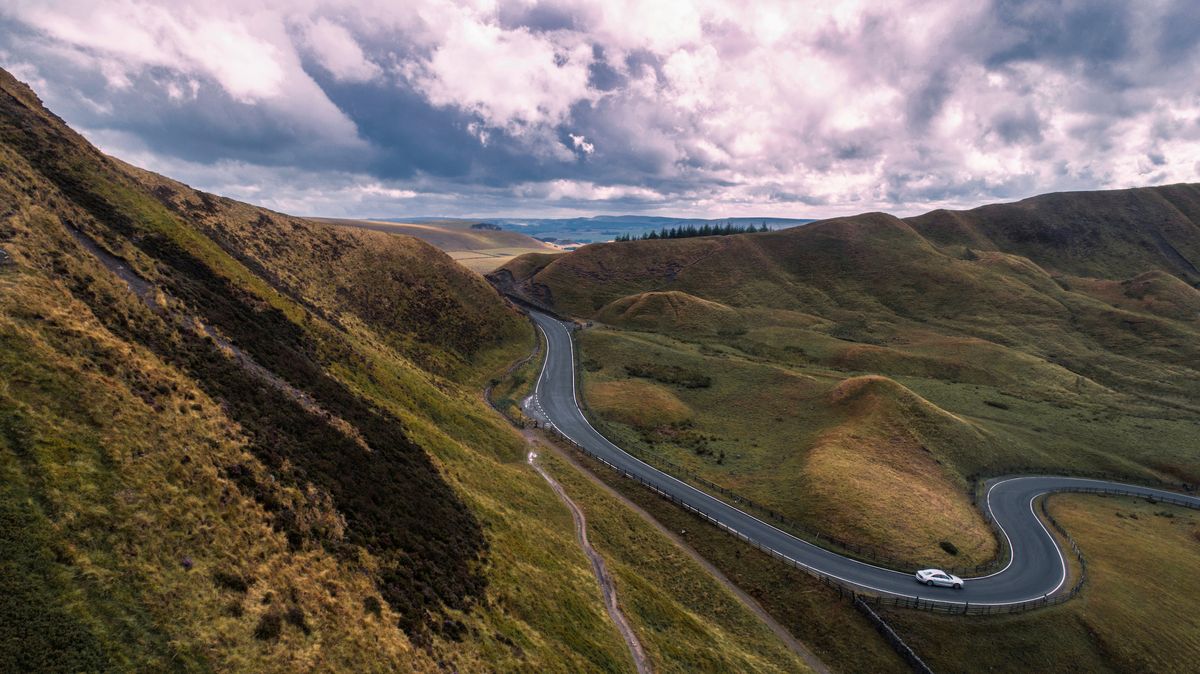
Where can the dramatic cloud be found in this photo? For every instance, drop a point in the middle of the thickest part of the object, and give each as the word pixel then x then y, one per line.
pixel 338 52
pixel 561 106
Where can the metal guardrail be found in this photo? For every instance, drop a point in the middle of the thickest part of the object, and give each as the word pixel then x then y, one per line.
pixel 1137 480
pixel 800 530
pixel 853 592
pixel 849 590
pixel 816 537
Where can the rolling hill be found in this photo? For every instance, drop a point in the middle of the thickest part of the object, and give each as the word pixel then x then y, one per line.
pixel 479 249
pixel 1056 333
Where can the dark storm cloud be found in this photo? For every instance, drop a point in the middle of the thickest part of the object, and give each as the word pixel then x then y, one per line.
pixel 1018 126
pixel 601 75
pixel 1095 33
pixel 539 16
pixel 1178 32
pixel 926 102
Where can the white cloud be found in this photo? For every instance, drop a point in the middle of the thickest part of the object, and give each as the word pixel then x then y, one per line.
pixel 244 50
pixel 338 52
pixel 695 105
pixel 512 79
pixel 581 143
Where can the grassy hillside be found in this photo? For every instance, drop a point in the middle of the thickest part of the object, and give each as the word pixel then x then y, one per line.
pixel 688 621
pixel 480 250
pixel 235 440
pixel 673 310
pixel 1116 234
pixel 859 371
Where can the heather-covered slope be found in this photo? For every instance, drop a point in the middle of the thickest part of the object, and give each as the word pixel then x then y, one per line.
pixel 1113 235
pixel 1053 333
pixel 235 440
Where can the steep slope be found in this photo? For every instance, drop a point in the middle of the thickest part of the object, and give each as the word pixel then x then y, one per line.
pixel 1057 327
pixel 428 308
pixel 235 440
pixel 884 434
pixel 1115 234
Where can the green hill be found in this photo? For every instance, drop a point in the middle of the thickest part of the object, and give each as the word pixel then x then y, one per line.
pixel 235 440
pixel 1116 234
pixel 1060 332
pixel 671 311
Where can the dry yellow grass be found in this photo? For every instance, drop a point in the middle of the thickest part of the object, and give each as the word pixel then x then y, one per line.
pixel 132 488
pixel 147 522
pixel 485 260
pixel 641 404
pixel 853 457
pixel 871 477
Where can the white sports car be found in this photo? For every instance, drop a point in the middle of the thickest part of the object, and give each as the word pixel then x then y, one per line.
pixel 938 577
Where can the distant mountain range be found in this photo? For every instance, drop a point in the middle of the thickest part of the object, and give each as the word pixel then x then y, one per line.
pixel 608 227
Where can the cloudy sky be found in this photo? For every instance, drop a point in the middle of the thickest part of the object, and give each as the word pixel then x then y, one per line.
pixel 530 107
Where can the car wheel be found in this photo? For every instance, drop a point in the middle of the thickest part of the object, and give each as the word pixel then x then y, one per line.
pixel 958 586
pixel 929 583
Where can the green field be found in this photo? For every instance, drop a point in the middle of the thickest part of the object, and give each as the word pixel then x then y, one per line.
pixel 859 374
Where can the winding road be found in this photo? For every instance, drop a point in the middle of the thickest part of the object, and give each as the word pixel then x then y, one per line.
pixel 1036 568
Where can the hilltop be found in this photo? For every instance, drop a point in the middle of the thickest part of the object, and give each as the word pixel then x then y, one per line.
pixel 1111 235
pixel 480 249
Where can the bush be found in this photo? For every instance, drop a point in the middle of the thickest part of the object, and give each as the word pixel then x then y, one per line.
pixel 230 581
pixel 295 616
pixel 949 547
pixel 669 374
pixel 371 605
pixel 269 627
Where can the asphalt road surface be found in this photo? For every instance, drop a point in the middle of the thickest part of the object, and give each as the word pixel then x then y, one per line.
pixel 1037 567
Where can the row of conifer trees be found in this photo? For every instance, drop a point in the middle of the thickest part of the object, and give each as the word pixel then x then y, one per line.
pixel 685 231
